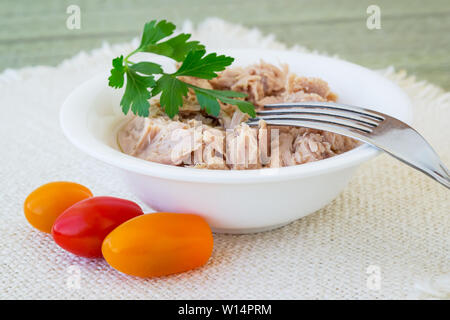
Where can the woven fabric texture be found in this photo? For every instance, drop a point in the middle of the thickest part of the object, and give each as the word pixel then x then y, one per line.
pixel 390 221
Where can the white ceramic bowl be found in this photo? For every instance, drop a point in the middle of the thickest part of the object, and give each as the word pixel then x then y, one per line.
pixel 235 201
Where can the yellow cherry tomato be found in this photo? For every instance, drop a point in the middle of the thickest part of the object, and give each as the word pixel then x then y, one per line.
pixel 159 244
pixel 46 203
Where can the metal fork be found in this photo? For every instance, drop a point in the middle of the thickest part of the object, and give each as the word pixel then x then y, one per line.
pixel 375 128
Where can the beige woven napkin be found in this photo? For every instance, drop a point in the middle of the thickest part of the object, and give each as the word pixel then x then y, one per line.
pixel 385 236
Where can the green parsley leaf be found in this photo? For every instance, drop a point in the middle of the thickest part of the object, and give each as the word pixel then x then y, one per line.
pixel 136 94
pixel 208 102
pixel 153 32
pixel 117 73
pixel 175 48
pixel 205 67
pixel 172 92
pixel 146 68
pixel 220 93
pixel 226 97
pixel 244 106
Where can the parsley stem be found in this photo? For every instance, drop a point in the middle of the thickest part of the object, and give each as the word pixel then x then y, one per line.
pixel 129 55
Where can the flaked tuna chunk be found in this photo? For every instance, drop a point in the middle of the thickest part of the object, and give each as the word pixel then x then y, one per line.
pixel 227 78
pixel 271 78
pixel 292 97
pixel 236 119
pixel 311 147
pixel 286 148
pixel 297 149
pixel 163 140
pixel 258 80
pixel 338 143
pixel 292 146
pixel 281 148
pixel 250 84
pixel 131 137
pixel 242 148
pixel 174 142
pixel 264 143
pixel 310 85
pixel 213 156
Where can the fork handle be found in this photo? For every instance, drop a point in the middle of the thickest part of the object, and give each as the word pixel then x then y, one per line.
pixel 408 146
pixel 438 171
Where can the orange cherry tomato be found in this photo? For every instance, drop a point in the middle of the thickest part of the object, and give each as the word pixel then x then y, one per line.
pixel 159 244
pixel 46 203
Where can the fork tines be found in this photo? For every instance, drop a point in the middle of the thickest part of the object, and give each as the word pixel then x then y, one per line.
pixel 326 114
pixel 328 105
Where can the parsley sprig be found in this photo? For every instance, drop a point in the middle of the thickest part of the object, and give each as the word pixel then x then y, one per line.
pixel 141 83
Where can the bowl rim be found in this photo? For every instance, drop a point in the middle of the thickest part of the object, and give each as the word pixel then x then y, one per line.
pixel 73 130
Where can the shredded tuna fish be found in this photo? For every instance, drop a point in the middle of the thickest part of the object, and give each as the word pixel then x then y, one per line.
pixel 194 139
pixel 242 148
pixel 258 81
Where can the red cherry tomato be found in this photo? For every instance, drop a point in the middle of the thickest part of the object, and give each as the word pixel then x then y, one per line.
pixel 81 228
